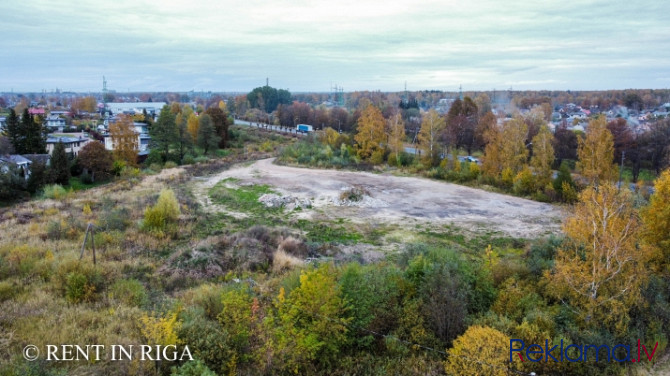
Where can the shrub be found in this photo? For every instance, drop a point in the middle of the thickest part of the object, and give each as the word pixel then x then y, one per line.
pixel 165 212
pixel 170 164
pixel 114 219
pixel 155 167
pixel 7 290
pixel 154 157
pixel 193 368
pixel 86 178
pixel 188 159
pixel 54 191
pixel 507 178
pixel 78 288
pixel 118 166
pixel 523 182
pixel 130 292
pixel 568 192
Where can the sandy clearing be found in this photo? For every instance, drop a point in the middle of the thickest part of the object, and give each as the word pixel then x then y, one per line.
pixel 394 199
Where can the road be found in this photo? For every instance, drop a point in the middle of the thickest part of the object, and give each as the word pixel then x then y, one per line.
pixel 275 128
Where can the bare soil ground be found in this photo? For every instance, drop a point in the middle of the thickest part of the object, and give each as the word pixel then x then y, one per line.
pixel 394 199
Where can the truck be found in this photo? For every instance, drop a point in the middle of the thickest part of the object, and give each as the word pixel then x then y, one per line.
pixel 304 128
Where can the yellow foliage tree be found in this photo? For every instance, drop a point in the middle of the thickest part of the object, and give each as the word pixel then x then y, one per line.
pixel 506 149
pixel 513 152
pixel 124 140
pixel 595 153
pixel 161 330
pixel 600 269
pixel 491 161
pixel 432 126
pixel 193 124
pixel 543 156
pixel 311 323
pixel 396 136
pixel 370 136
pixel 479 351
pixel 656 220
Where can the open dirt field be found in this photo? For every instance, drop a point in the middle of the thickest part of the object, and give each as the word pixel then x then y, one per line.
pixel 393 199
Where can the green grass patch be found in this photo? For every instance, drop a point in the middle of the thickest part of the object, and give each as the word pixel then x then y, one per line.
pixel 243 198
pixel 77 185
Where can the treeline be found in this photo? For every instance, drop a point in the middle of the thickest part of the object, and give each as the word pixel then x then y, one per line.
pixel 518 154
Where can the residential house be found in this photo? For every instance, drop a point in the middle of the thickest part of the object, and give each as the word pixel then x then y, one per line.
pixel 72 144
pixel 55 121
pixel 21 163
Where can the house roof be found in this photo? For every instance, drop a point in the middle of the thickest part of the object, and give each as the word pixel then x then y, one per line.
pixel 65 140
pixel 44 158
pixel 15 159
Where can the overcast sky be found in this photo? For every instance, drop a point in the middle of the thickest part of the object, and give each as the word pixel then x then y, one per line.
pixel 142 45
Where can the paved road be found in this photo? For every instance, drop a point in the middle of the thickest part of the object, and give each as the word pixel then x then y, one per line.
pixel 267 126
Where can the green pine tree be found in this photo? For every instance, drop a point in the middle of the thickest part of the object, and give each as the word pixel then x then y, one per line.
pixel 60 165
pixel 164 132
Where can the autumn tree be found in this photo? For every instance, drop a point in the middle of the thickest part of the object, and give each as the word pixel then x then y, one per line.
pixel 184 141
pixel 485 123
pixel 192 126
pixel 220 123
pixel 565 143
pixel 543 157
pixel 479 351
pixel 124 140
pixel 96 160
pixel 396 137
pixel 207 138
pixel 596 153
pixel 656 219
pixel 164 133
pixel 600 269
pixel 371 136
pixel 491 162
pixel 84 104
pixel 622 137
pixel 311 323
pixel 462 119
pixel 432 127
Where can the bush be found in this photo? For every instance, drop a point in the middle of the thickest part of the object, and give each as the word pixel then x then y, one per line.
pixel 114 219
pixel 523 182
pixel 165 212
pixel 170 164
pixel 54 191
pixel 188 159
pixel 155 167
pixel 78 288
pixel 118 166
pixel 86 178
pixel 193 368
pixel 130 292
pixel 154 157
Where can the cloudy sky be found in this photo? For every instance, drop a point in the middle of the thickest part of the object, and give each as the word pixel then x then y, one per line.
pixel 224 45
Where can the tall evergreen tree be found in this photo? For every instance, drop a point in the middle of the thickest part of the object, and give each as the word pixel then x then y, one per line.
pixel 34 137
pixel 16 137
pixel 60 165
pixel 164 132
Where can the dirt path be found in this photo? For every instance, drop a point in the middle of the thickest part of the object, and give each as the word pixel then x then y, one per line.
pixel 404 200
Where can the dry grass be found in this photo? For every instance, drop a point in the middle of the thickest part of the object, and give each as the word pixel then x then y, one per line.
pixel 282 261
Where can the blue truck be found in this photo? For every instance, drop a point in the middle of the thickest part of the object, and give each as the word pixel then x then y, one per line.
pixel 304 128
